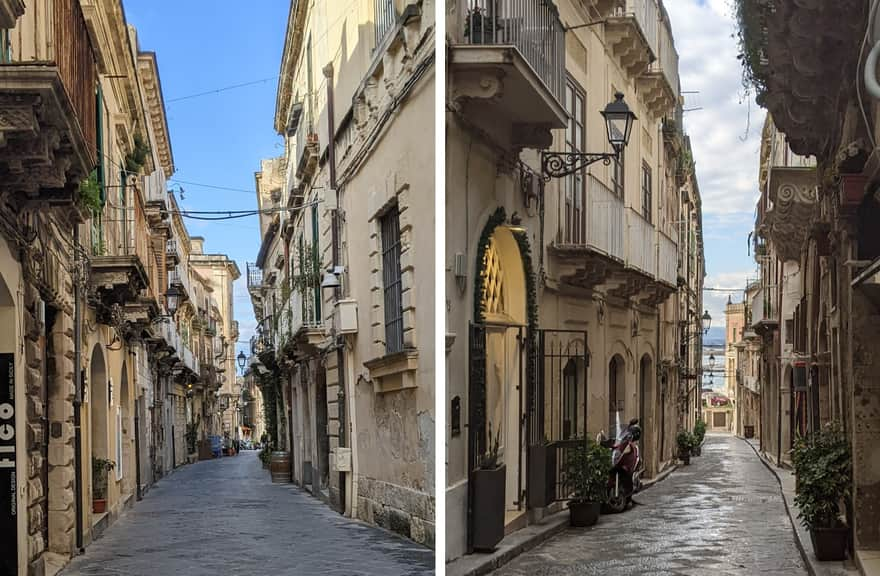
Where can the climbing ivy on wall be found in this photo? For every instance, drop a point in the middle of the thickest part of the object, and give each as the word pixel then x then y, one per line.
pixel 269 386
pixel 522 240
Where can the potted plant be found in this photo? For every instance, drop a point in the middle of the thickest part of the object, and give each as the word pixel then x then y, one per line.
pixel 100 467
pixel 699 436
pixel 587 468
pixel 488 491
pixel 480 25
pixel 823 464
pixel 685 441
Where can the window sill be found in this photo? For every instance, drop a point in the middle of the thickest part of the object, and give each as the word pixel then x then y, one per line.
pixel 394 372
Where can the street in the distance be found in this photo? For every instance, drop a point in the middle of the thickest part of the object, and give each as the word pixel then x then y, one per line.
pixel 225 516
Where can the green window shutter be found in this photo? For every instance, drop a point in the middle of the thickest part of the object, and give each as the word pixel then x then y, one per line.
pixel 99 135
pixel 316 289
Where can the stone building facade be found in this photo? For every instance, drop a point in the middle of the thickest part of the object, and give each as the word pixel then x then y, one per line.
pixel 342 284
pixel 573 304
pixel 84 260
pixel 817 224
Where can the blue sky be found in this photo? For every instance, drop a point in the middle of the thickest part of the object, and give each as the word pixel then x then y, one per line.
pixel 218 139
pixel 725 132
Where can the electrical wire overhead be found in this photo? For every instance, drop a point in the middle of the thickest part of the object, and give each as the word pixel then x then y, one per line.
pixel 220 90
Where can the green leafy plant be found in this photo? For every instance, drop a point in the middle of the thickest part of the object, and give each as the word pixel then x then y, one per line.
pixel 266 454
pixel 751 39
pixel 192 434
pixel 823 464
pixel 89 194
pixel 587 468
pixel 699 432
pixel 489 460
pixel 136 159
pixel 685 442
pixel 308 268
pixel 100 468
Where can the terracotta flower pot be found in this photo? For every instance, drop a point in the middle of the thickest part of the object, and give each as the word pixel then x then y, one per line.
pixel 99 506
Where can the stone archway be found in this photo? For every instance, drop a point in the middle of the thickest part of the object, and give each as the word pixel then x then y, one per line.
pixel 503 302
pixel 98 400
pixel 125 432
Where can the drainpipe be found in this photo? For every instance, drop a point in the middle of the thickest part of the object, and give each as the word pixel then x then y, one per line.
pixel 78 394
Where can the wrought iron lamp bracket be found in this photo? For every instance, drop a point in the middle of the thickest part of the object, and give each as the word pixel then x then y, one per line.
pixel 561 164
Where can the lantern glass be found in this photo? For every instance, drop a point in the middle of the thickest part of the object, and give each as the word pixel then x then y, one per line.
pixel 618 122
pixel 172 300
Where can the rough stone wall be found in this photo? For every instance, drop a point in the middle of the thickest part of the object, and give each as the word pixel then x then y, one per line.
pixel 397 508
pixel 866 421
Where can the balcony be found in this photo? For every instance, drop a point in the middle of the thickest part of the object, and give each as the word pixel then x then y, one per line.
pixel 633 35
pixel 508 69
pixel 791 200
pixel 307 149
pixel 179 278
pixel 659 85
pixel 640 253
pixel 667 269
pixel 126 271
pixel 589 253
pixel 172 253
pixel 803 52
pixel 307 323
pixel 47 97
pixel 254 278
pixel 613 249
pixel 764 312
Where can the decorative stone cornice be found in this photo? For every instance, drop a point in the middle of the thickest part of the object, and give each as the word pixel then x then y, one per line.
pixel 149 73
pixel 10 10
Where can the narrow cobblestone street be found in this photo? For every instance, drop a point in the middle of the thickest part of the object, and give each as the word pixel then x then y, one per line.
pixel 721 516
pixel 226 517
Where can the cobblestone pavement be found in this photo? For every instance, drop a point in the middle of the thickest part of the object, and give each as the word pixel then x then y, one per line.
pixel 224 517
pixel 722 515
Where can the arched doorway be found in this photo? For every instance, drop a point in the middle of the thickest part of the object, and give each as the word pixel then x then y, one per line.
pixel 503 301
pixel 124 433
pixel 616 393
pixel 98 396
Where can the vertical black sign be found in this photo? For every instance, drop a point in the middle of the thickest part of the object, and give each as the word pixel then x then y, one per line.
pixel 8 482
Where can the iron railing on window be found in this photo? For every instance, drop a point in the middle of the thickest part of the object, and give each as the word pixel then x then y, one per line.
pixel 386 18
pixel 254 276
pixel 392 281
pixel 532 26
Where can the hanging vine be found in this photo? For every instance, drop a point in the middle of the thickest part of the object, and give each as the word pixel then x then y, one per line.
pixel 751 35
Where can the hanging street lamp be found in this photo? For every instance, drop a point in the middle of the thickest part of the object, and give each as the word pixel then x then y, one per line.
pixel 618 126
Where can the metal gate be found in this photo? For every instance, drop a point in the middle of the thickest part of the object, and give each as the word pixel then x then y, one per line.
pixel 556 422
pixel 476 413
pixel 515 441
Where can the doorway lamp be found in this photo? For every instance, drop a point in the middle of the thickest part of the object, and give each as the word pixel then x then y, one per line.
pixel 618 125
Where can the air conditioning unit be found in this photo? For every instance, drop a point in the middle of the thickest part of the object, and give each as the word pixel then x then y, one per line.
pixel 346 316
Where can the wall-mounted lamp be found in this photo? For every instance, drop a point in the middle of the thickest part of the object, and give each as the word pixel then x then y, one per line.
pixel 460 271
pixel 331 277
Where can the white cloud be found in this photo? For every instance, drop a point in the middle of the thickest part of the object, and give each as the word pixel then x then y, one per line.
pixel 725 133
pixel 715 301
